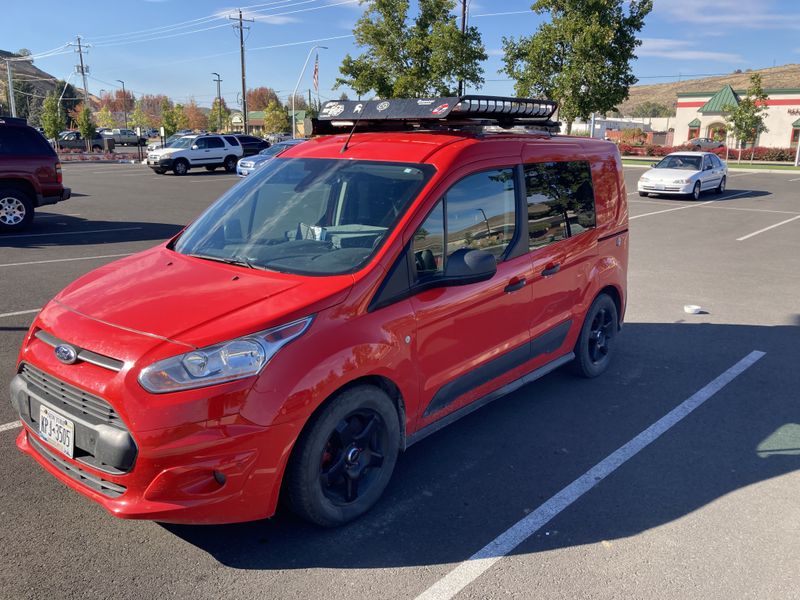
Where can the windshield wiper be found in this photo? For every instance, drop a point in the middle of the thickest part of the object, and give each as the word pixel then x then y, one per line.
pixel 241 261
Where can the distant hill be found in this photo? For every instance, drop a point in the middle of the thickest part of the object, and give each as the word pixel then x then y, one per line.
pixel 785 76
pixel 41 81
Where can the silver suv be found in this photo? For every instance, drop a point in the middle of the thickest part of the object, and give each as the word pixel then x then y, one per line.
pixel 193 151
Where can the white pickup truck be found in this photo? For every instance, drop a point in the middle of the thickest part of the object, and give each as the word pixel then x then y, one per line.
pixel 125 137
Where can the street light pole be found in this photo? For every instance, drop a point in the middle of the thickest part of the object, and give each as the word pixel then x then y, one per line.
pixel 219 103
pixel 294 92
pixel 124 103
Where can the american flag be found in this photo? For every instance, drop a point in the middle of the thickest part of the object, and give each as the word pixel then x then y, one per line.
pixel 316 73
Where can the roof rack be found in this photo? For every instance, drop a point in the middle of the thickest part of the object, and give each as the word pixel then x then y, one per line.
pixel 457 112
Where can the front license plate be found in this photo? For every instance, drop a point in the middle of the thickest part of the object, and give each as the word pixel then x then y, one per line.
pixel 659 186
pixel 57 431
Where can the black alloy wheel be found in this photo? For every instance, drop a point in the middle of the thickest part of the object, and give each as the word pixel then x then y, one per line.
pixel 181 167
pixel 344 458
pixel 593 349
pixel 230 164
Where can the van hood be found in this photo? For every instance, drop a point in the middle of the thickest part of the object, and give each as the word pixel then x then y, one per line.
pixel 194 301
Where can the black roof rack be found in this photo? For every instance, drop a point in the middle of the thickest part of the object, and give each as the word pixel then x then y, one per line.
pixel 434 113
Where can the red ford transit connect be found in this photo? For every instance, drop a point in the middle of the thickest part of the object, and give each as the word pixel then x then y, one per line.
pixel 367 287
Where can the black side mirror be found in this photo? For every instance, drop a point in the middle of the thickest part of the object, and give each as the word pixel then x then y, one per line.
pixel 465 266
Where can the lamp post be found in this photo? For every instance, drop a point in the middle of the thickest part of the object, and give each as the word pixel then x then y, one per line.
pixel 124 103
pixel 488 229
pixel 219 103
pixel 294 93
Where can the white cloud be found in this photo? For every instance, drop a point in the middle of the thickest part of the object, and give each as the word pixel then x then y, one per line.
pixel 732 14
pixel 682 50
pixel 495 52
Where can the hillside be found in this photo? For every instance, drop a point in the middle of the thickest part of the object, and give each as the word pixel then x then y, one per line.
pixel 41 81
pixel 785 76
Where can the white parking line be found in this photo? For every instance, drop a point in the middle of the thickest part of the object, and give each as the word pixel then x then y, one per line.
pixel 658 212
pixel 6 237
pixel 749 235
pixel 12 425
pixel 468 571
pixel 20 312
pixel 56 260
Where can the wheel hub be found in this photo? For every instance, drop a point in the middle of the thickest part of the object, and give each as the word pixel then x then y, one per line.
pixel 12 211
pixel 353 455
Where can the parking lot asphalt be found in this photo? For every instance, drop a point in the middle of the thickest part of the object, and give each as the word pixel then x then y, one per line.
pixel 707 508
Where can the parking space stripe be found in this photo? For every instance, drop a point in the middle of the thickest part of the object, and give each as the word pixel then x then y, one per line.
pixel 797 179
pixel 658 212
pixel 9 426
pixel 57 260
pixel 6 237
pixel 468 571
pixel 749 235
pixel 20 312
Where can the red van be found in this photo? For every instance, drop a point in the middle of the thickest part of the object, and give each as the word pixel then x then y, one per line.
pixel 356 294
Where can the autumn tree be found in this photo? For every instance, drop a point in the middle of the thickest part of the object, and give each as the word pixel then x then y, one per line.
pixel 139 118
pixel 260 97
pixel 151 105
pixel 276 118
pixel 169 120
pixel 69 97
pixel 580 54
pixel 219 115
pixel 197 118
pixel 52 119
pixel 181 118
pixel 405 57
pixel 745 121
pixel 105 118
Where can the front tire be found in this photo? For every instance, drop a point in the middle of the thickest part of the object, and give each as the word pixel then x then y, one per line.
pixel 181 167
pixel 159 171
pixel 644 194
pixel 16 210
pixel 695 195
pixel 344 457
pixel 230 164
pixel 593 350
pixel 721 187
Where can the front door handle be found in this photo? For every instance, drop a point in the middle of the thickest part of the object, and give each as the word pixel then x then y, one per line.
pixel 515 285
pixel 551 269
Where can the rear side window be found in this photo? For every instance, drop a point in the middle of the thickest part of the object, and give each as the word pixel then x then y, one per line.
pixel 560 200
pixel 231 140
pixel 215 142
pixel 21 141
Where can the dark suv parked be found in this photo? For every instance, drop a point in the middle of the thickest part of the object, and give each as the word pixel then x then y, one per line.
pixel 251 144
pixel 30 174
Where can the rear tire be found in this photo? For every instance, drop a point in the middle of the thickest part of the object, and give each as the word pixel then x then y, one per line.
pixel 593 350
pixel 16 209
pixel 230 164
pixel 721 187
pixel 181 167
pixel 344 457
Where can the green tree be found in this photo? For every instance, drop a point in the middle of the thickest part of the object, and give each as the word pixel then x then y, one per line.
pixel 650 109
pixel 23 53
pixel 86 126
pixel 746 120
pixel 139 118
pixel 580 56
pixel 24 98
pixel 105 118
pixel 181 118
pixel 276 118
pixel 69 98
pixel 169 119
pixel 219 115
pixel 52 119
pixel 404 57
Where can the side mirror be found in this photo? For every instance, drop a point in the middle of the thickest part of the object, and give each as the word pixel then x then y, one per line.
pixel 653 165
pixel 465 266
pixel 195 147
pixel 708 168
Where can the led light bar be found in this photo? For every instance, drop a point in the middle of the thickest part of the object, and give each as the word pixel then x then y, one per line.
pixel 493 106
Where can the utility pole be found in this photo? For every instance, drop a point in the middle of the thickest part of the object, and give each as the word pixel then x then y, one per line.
pixel 124 103
pixel 463 37
pixel 219 103
pixel 241 29
pixel 82 69
pixel 12 105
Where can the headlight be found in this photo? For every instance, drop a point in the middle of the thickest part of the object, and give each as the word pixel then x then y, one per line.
pixel 165 155
pixel 682 181
pixel 236 359
pixel 644 180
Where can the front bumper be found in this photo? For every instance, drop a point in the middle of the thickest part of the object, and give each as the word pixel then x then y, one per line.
pixel 161 163
pixel 244 171
pixel 665 188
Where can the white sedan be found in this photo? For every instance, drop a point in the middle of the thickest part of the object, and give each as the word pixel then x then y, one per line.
pixel 685 173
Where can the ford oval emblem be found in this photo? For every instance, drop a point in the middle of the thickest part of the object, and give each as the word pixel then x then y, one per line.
pixel 66 354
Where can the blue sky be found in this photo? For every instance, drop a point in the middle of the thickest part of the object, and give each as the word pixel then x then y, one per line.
pixel 173 46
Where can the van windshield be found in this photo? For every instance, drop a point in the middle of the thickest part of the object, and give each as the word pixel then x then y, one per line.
pixel 306 215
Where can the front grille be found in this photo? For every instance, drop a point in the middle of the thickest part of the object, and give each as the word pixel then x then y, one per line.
pixel 111 490
pixel 70 398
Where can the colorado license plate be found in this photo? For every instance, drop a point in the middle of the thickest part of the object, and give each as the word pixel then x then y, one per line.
pixel 56 430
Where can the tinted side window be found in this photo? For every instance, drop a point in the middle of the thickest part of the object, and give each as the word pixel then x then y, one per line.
pixel 231 140
pixel 428 244
pixel 215 142
pixel 201 143
pixel 560 201
pixel 480 212
pixel 23 142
